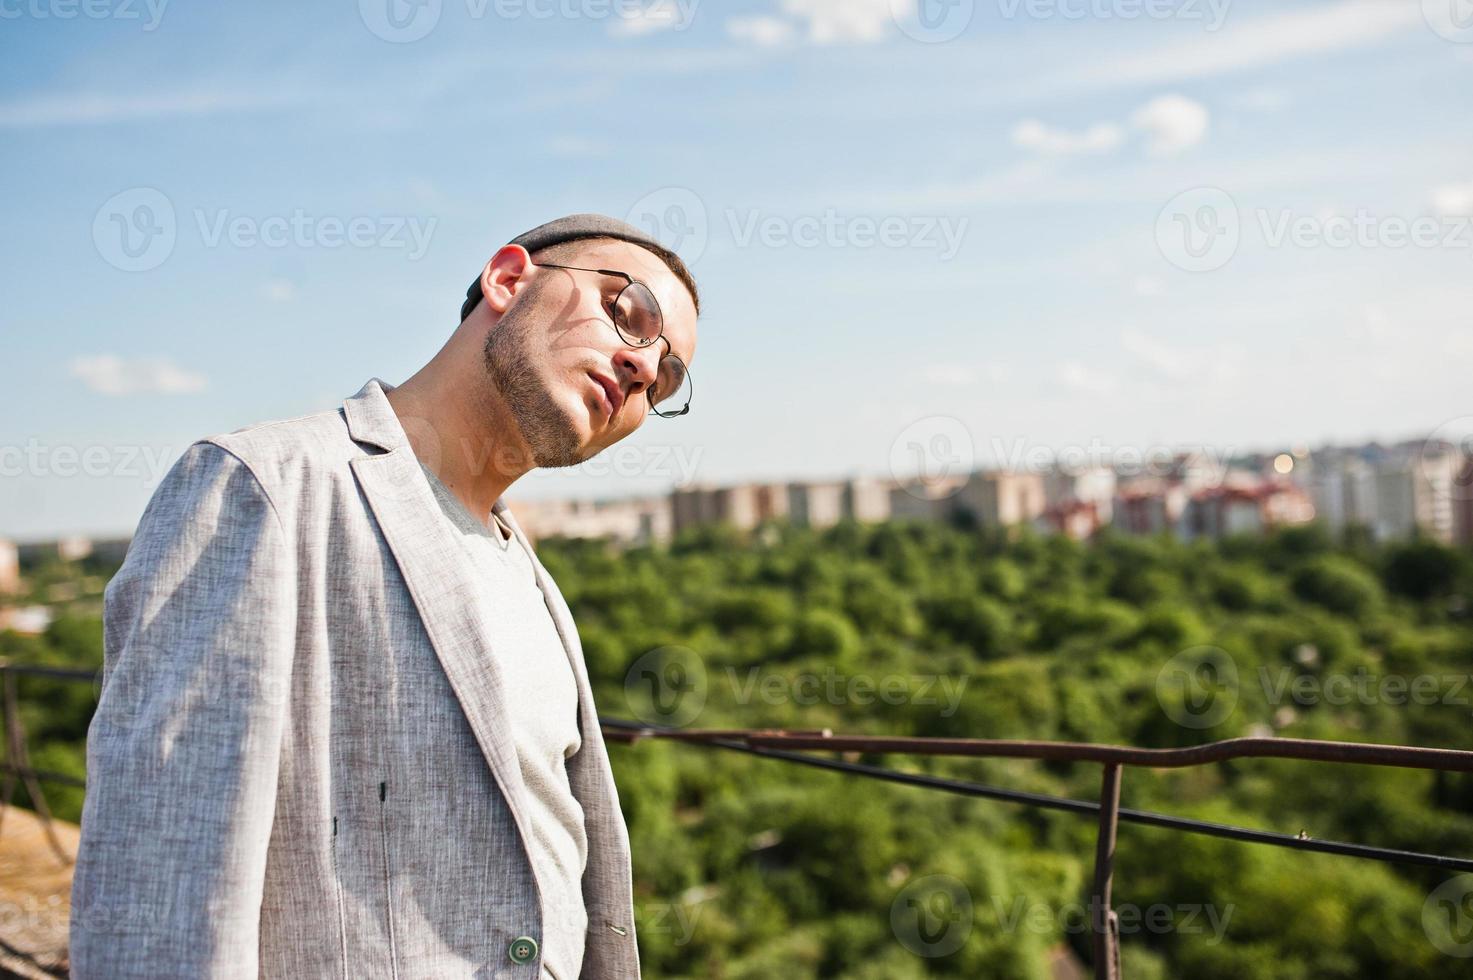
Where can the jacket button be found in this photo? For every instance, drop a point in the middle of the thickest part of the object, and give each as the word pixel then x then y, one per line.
pixel 523 950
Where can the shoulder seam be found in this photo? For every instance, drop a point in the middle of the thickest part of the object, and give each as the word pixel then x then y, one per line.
pixel 265 492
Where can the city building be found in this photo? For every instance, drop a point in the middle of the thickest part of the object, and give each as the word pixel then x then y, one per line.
pixel 1343 486
pixel 867 500
pixel 1149 505
pixel 9 567
pixel 1462 504
pixel 1002 497
pixel 1079 519
pixel 1065 487
pixel 927 500
pixel 816 504
pixel 744 506
pixel 1243 507
pixel 640 520
pixel 1393 491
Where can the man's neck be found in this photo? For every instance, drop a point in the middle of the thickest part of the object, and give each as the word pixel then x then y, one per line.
pixel 463 433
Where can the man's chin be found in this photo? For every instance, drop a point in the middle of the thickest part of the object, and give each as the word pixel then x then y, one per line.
pixel 566 441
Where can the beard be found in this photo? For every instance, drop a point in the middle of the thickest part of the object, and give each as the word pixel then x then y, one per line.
pixel 550 432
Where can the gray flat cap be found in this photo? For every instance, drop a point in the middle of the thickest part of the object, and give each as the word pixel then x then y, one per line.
pixel 566 229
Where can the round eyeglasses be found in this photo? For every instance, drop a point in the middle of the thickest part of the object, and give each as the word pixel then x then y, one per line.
pixel 639 323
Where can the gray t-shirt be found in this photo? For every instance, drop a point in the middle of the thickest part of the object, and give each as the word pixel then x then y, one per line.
pixel 542 702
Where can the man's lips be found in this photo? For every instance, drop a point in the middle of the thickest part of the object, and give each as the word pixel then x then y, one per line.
pixel 613 397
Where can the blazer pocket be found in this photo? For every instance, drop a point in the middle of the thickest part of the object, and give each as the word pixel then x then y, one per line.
pixel 383 825
pixel 337 887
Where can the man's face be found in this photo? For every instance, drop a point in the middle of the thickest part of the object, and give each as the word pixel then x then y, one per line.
pixel 574 386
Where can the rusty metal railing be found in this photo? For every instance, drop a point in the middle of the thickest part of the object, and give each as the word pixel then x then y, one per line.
pixel 798 746
pixel 802 747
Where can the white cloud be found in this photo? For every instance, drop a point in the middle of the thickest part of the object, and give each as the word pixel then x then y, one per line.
pixel 658 15
pixel 1041 138
pixel 1453 198
pixel 821 22
pixel 1319 29
pixel 1077 376
pixel 1260 100
pixel 87 108
pixel 1181 364
pixel 837 21
pixel 425 191
pixel 1167 361
pixel 576 146
pixel 279 291
pixel 1149 286
pixel 109 374
pixel 1173 123
pixel 763 31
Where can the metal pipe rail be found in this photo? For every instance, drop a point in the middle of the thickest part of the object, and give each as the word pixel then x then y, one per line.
pixel 798 746
pixel 794 746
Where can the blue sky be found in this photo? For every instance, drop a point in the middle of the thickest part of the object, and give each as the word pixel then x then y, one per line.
pixel 1014 224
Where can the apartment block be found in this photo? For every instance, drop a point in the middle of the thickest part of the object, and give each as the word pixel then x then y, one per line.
pixel 642 520
pixel 9 567
pixel 1003 497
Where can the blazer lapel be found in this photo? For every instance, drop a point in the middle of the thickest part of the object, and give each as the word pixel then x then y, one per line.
pixel 431 564
pixel 408 516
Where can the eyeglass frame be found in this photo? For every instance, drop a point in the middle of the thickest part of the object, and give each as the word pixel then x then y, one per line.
pixel 614 322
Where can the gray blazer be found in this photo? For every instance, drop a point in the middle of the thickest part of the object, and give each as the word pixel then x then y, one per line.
pixel 300 764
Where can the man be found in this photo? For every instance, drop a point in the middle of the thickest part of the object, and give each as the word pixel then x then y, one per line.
pixel 345 727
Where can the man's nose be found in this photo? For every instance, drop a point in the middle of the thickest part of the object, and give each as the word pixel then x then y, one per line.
pixel 639 366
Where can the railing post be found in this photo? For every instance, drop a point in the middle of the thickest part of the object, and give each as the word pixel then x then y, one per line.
pixel 1103 921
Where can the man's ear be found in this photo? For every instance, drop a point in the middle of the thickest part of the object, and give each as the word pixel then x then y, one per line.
pixel 505 276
